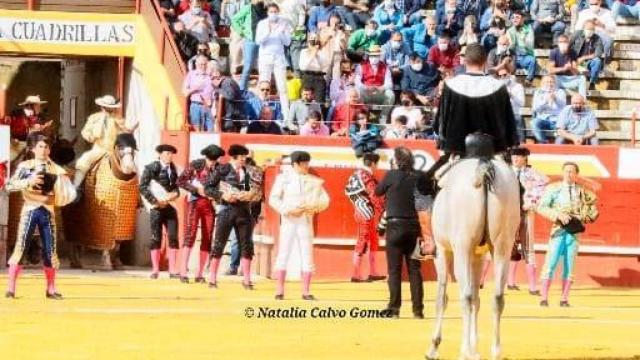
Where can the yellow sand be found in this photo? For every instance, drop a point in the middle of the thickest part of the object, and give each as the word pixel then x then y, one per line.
pixel 126 316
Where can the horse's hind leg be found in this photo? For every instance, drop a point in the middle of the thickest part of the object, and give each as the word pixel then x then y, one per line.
pixel 477 263
pixel 501 263
pixel 441 264
pixel 464 274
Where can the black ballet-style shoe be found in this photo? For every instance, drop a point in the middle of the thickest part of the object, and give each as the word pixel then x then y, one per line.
pixel 357 280
pixel 534 292
pixel 184 279
pixel 248 286
pixel 376 277
pixel 544 303
pixel 513 287
pixel 54 296
pixel 153 276
pixel 175 276
pixel 309 297
pixel 564 303
pixel 10 295
pixel 279 297
pixel 199 280
pixel 213 285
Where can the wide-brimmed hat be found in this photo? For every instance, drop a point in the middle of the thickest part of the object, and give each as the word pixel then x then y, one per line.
pixel 32 99
pixel 374 50
pixel 108 101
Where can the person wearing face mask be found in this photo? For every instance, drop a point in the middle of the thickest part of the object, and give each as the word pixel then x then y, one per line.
pixel 563 64
pixel 333 44
pixel 389 18
pixel 373 80
pixel 395 53
pixel 314 65
pixel 501 57
pixel 522 43
pixel 450 18
pixel 421 36
pixel 198 22
pixel 548 102
pixel 446 55
pixel 548 16
pixel 244 24
pixel 588 46
pixel 421 78
pixel 362 39
pixel 604 25
pixel 273 34
pixel 340 86
pixel 577 124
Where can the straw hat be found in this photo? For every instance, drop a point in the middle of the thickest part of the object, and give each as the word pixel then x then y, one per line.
pixel 32 99
pixel 108 101
pixel 374 50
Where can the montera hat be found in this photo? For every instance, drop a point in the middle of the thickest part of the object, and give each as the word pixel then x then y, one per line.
pixel 300 156
pixel 521 151
pixel 212 152
pixel 166 147
pixel 237 149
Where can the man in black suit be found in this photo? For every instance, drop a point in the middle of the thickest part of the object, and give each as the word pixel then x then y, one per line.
pixel 162 213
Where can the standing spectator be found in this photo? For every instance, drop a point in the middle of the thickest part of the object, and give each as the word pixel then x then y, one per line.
pixel 589 48
pixel 403 230
pixel 187 44
pixel 294 11
pixel 446 56
pixel 224 89
pixel 344 114
pixel 421 36
pixel 548 16
pixel 564 65
pixel 168 9
pixel 362 39
pixel 236 44
pixel 398 128
pixel 244 23
pixel 313 65
pixel 516 95
pixel 577 124
pixel 408 109
pixel 319 16
pixel 389 19
pixel 30 119
pixel 300 109
pixel 198 22
pixel 273 35
pixel 266 124
pixel 522 43
pixel 501 57
pixel 548 101
pixel 420 78
pixel 605 25
pixel 341 86
pixel 373 79
pixel 450 18
pixel 333 43
pixel 193 88
pixel 201 49
pixel 314 126
pixel 629 9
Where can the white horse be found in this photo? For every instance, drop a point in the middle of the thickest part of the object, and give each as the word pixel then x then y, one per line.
pixel 478 204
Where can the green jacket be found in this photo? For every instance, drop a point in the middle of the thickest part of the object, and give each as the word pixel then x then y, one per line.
pixel 360 41
pixel 522 41
pixel 244 22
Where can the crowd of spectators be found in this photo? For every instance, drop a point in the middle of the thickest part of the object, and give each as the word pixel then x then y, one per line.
pixel 322 67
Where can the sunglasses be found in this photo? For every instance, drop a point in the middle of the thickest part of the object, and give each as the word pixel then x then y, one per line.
pixel 265 90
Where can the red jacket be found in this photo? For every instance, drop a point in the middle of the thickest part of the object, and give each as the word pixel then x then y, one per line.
pixel 20 124
pixel 344 114
pixel 448 59
pixel 369 78
pixel 184 5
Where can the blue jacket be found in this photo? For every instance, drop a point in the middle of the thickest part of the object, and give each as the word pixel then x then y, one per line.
pixel 400 56
pixel 420 82
pixel 320 14
pixel 418 40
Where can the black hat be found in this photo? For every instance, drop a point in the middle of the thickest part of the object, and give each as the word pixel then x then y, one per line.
pixel 126 140
pixel 300 156
pixel 371 157
pixel 521 151
pixel 166 147
pixel 237 149
pixel 212 152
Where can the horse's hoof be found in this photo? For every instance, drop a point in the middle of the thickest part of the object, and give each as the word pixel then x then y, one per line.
pixel 432 355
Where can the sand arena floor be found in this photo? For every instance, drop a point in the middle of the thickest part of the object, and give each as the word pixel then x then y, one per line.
pixel 123 315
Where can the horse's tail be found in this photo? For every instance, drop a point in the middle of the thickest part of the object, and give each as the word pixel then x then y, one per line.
pixel 485 177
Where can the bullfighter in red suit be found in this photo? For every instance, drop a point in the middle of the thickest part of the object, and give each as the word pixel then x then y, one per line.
pixel 368 209
pixel 200 209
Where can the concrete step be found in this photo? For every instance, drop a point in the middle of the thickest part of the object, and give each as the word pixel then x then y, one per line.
pixel 601 100
pixel 600 114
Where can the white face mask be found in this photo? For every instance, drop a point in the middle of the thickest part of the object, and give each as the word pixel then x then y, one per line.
pixel 595 8
pixel 396 45
pixel 29 112
pixel 369 32
pixel 588 33
pixel 501 49
pixel 443 47
pixel 563 47
pixel 449 10
pixel 273 17
pixel 196 10
pixel 416 67
pixel 374 60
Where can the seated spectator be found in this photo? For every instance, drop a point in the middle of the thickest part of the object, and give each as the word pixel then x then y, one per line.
pixel 319 16
pixel 201 49
pixel 193 88
pixel 548 101
pixel 389 19
pixel 356 13
pixel 423 130
pixel 398 129
pixel 224 89
pixel 497 28
pixel 362 39
pixel 605 26
pixel 577 124
pixel 333 43
pixel 501 9
pixel 421 36
pixel 564 65
pixel 589 48
pixel 252 104
pixel 522 44
pixel 411 10
pixel 450 18
pixel 198 22
pixel 548 16
pixel 408 109
pixel 373 79
pixel 344 114
pixel 469 33
pixel 395 53
pixel 187 44
pixel 313 67
pixel 168 9
pixel 446 56
pixel 501 57
pixel 183 6
pixel 516 95
pixel 266 124
pixel 472 7
pixel 340 86
pixel 300 109
pixel 628 9
pixel 365 137
pixel 420 78
pixel 314 126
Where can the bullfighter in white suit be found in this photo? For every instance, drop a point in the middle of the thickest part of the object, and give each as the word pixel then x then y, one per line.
pixel 297 196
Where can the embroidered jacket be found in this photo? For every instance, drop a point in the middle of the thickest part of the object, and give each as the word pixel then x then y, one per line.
pixel 154 171
pixel 560 198
pixel 225 178
pixel 195 176
pixel 533 183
